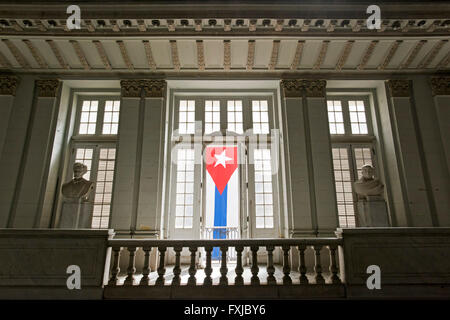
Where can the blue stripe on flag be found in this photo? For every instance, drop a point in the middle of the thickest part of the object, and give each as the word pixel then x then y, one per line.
pixel 220 218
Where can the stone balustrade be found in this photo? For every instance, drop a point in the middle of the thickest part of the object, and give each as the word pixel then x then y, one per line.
pixel 129 247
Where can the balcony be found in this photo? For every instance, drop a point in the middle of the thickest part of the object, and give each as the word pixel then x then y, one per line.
pixel 414 263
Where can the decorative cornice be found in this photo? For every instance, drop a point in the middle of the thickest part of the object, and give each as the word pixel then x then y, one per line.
pixel 308 88
pixel 440 86
pixel 151 88
pixel 47 88
pixel 399 88
pixel 131 88
pixel 154 88
pixel 8 85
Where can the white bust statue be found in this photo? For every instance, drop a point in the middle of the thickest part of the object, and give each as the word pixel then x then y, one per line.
pixel 367 185
pixel 78 188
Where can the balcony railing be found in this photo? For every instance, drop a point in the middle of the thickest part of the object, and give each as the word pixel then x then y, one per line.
pixel 222 233
pixel 254 245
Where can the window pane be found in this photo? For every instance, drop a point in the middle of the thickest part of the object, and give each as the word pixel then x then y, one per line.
pixel 234 116
pixel 84 155
pixel 212 116
pixel 263 190
pixel 358 117
pixel 186 117
pixel 88 117
pixel 185 190
pixel 260 115
pixel 111 117
pixel 335 118
pixel 343 183
pixel 104 186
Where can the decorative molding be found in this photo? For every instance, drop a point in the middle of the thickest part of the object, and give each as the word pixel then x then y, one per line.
pixel 390 54
pixel 274 56
pixel 399 88
pixel 429 57
pixel 47 88
pixel 36 54
pixel 114 25
pixel 200 55
pixel 440 86
pixel 131 88
pixel 154 88
pixel 174 53
pixel 17 54
pixel 226 55
pixel 308 88
pixel 123 51
pixel 227 25
pixel 322 54
pixel 298 55
pixel 444 62
pixel 198 25
pixel 252 25
pixel 150 88
pixel 8 85
pixel 413 54
pixel 141 25
pixel 80 54
pixel 54 47
pixel 305 26
pixel 344 54
pixel 251 54
pixel 369 51
pixel 358 25
pixel 102 53
pixel 292 88
pixel 279 25
pixel 332 25
pixel 89 26
pixel 315 88
pixel 4 61
pixel 171 25
pixel 148 52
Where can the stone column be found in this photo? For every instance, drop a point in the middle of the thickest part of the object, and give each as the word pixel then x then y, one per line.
pixel 409 155
pixel 440 87
pixel 296 127
pixel 33 175
pixel 126 180
pixel 321 163
pixel 16 126
pixel 8 85
pixel 152 162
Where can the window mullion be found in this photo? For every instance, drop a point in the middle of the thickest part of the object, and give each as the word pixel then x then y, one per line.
pixel 346 116
pixel 100 117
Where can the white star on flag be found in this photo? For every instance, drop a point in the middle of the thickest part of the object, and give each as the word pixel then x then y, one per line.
pixel 221 159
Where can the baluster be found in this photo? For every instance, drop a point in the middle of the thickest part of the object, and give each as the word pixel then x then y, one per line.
pixel 270 268
pixel 302 266
pixel 333 265
pixel 254 279
pixel 286 266
pixel 146 269
pixel 161 269
pixel 192 281
pixel 208 269
pixel 115 268
pixel 223 267
pixel 177 269
pixel 129 281
pixel 318 266
pixel 239 281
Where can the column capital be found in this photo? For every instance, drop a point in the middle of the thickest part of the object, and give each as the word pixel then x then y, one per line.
pixel 440 86
pixel 315 88
pixel 151 88
pixel 292 88
pixel 308 88
pixel 399 88
pixel 131 88
pixel 47 88
pixel 154 88
pixel 8 85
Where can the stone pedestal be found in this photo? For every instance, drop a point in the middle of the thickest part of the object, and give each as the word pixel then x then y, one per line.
pixel 372 212
pixel 76 215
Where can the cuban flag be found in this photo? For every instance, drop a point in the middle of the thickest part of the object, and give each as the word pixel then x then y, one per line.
pixel 222 193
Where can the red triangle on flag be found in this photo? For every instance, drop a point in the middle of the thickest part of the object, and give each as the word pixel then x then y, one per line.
pixel 221 162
